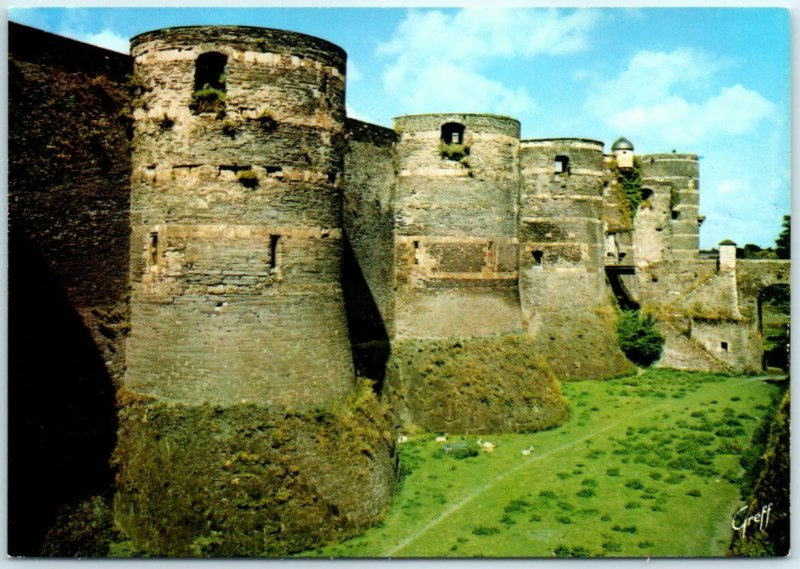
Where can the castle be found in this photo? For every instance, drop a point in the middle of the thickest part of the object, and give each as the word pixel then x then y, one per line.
pixel 272 247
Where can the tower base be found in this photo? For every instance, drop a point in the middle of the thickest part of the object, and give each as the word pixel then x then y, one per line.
pixel 249 480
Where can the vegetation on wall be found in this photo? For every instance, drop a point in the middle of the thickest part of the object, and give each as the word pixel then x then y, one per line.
pixel 472 385
pixel 208 100
pixel 247 178
pixel 250 480
pixel 766 481
pixel 455 152
pixel 638 338
pixel 630 184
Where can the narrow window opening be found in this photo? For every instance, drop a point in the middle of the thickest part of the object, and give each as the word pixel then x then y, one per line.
pixel 210 77
pixel 561 165
pixel 675 214
pixel 153 248
pixel 416 250
pixel 537 258
pixel 724 346
pixel 209 71
pixel 453 133
pixel 273 251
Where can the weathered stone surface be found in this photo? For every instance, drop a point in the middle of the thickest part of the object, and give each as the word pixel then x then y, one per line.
pixel 68 201
pixel 250 480
pixel 236 279
pixel 473 385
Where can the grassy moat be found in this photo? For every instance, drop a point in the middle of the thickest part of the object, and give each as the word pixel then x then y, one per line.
pixel 646 466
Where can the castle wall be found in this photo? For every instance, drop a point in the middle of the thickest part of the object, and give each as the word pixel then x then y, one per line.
pixel 369 227
pixel 68 240
pixel 566 304
pixel 236 221
pixel 455 234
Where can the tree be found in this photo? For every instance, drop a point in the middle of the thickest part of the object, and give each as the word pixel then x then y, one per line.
pixel 638 338
pixel 783 242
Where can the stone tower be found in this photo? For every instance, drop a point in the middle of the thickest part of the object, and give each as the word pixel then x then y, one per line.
pixel 565 303
pixel 668 224
pixel 236 218
pixel 455 206
pixel 240 415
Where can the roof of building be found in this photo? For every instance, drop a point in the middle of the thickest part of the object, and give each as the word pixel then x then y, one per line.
pixel 622 143
pixel 727 242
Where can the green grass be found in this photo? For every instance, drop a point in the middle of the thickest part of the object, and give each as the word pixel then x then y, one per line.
pixel 636 473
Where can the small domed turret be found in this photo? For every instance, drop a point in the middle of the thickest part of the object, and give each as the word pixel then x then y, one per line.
pixel 623 152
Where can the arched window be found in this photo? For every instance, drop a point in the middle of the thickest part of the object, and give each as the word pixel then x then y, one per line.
pixel 537 258
pixel 209 83
pixel 209 71
pixel 453 133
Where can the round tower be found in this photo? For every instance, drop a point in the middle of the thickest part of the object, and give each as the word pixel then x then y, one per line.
pixel 565 301
pixel 236 218
pixel 239 344
pixel 455 209
pixel 561 204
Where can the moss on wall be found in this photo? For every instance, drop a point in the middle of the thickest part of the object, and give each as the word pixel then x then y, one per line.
pixel 249 480
pixel 473 385
pixel 772 472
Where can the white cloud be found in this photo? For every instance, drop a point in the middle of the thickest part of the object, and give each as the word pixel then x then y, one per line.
pixel 109 40
pixel 666 94
pixel 731 186
pixel 439 61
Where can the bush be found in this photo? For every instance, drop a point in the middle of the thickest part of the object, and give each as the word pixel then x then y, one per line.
pixel 638 338
pixel 456 152
pixel 208 100
pixel 458 450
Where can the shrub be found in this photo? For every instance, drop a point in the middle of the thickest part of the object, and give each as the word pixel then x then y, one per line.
pixel 518 505
pixel 586 493
pixel 455 152
pixel 208 100
pixel 485 530
pixel 458 450
pixel 565 551
pixel 638 338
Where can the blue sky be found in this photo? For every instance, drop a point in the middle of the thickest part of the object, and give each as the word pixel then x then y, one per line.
pixel 715 82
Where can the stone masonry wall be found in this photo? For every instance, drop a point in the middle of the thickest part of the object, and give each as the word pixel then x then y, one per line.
pixel 455 235
pixel 236 214
pixel 369 220
pixel 68 201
